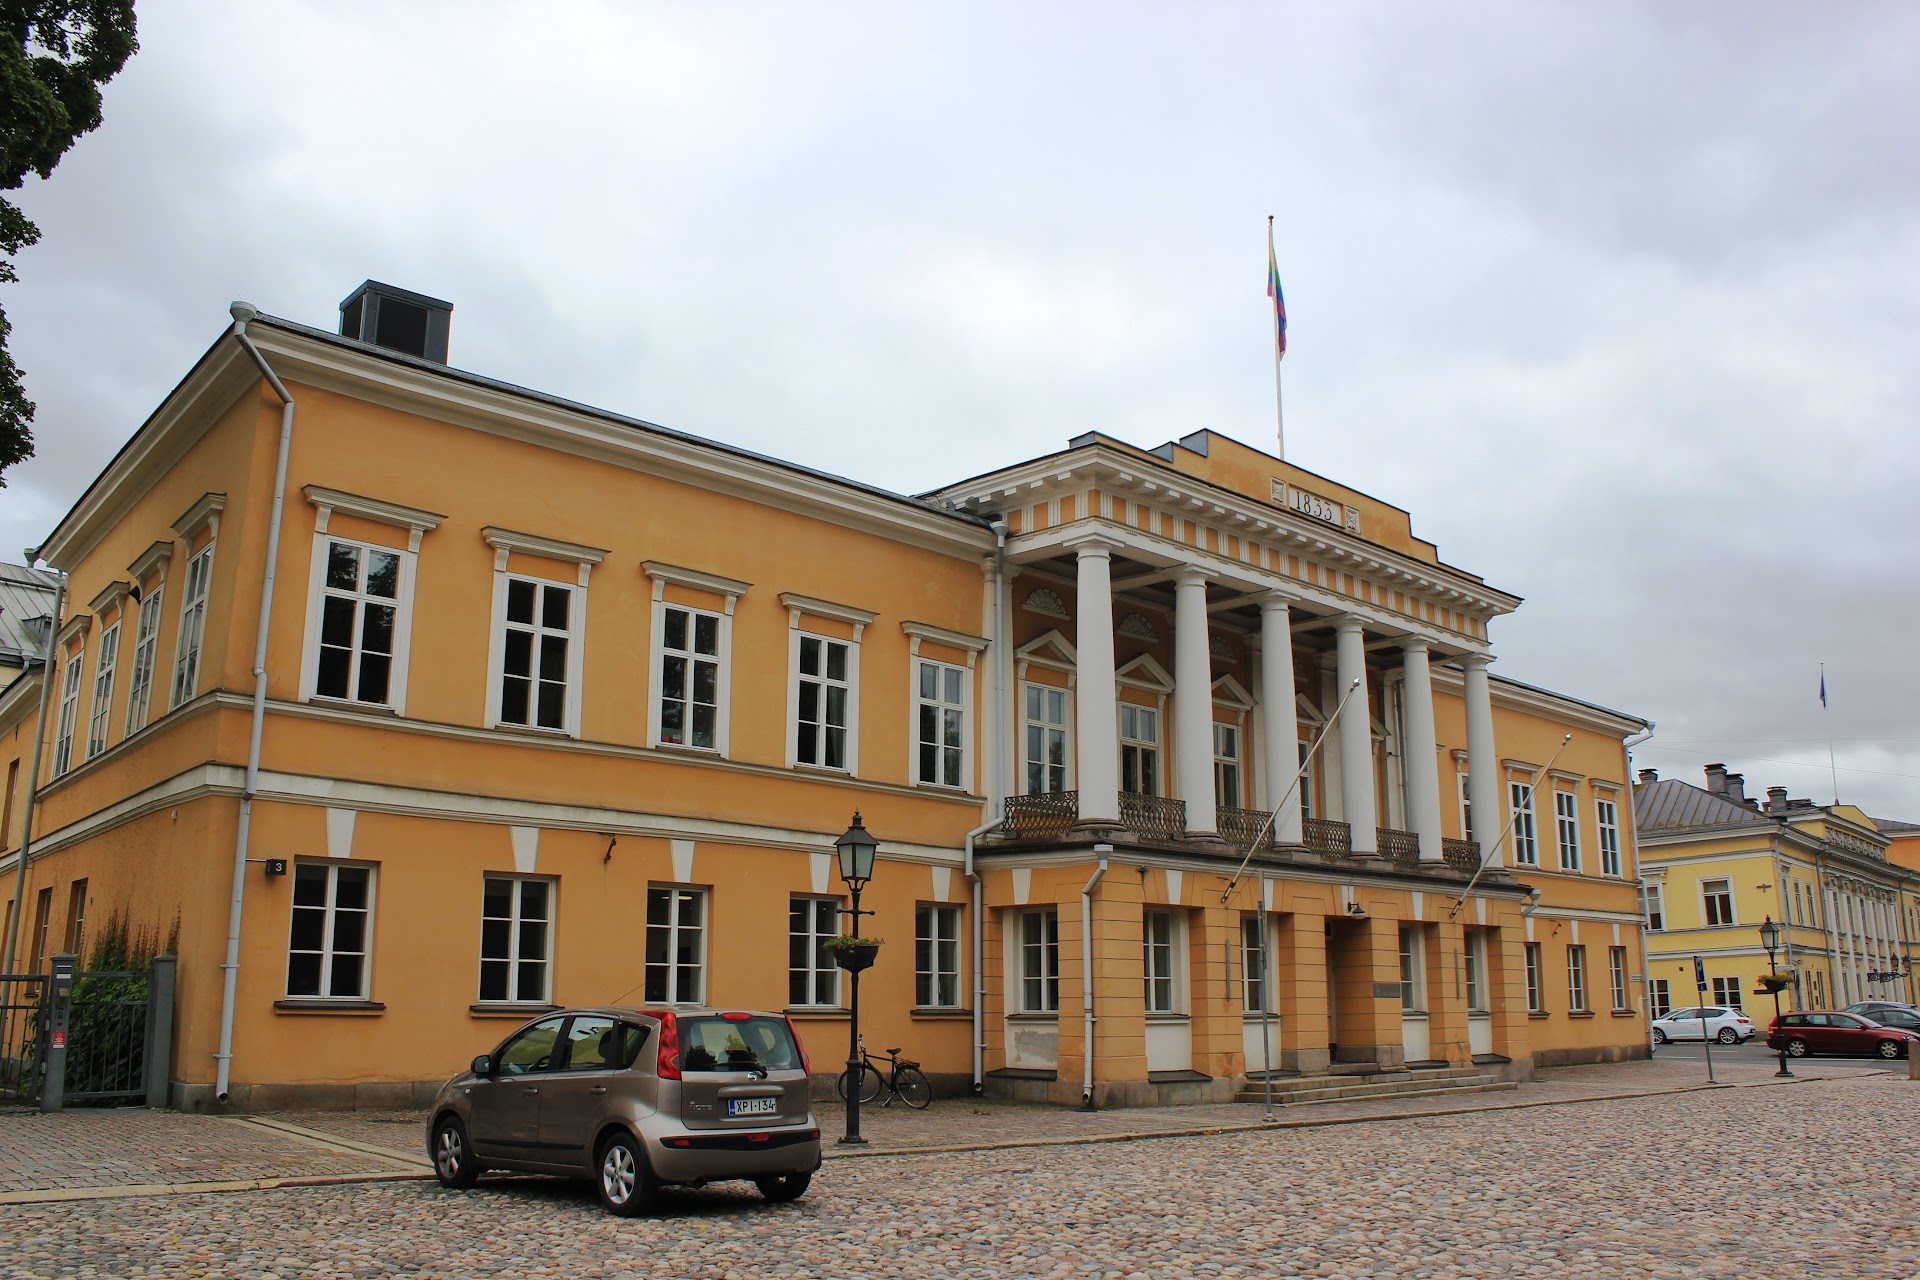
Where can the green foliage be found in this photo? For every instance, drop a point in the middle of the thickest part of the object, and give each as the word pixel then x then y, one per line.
pixel 844 943
pixel 106 1029
pixel 54 57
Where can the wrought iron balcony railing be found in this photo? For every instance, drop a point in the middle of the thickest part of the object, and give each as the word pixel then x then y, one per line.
pixel 1323 835
pixel 1153 815
pixel 1402 848
pixel 1461 855
pixel 1050 813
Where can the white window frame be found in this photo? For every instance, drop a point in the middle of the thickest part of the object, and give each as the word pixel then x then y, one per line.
pixel 196 586
pixel 1617 977
pixel 70 677
pixel 1526 844
pixel 146 646
pixel 333 869
pixel 1163 937
pixel 1140 746
pixel 1655 910
pixel 1531 955
pixel 820 975
pixel 1659 998
pixel 1037 959
pixel 1706 899
pixel 675 930
pixel 1413 977
pixel 824 684
pixel 515 959
pixel 1473 951
pixel 1230 761
pixel 936 956
pixel 1726 993
pixel 1256 935
pixel 1577 978
pixel 942 707
pixel 505 543
pixel 1606 819
pixel 106 664
pixel 729 590
pixel 1466 807
pixel 1048 731
pixel 318 593
pixel 1566 825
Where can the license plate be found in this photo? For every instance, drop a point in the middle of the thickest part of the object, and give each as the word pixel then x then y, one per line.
pixel 753 1106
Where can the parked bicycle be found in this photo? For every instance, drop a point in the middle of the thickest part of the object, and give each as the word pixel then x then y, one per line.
pixel 902 1079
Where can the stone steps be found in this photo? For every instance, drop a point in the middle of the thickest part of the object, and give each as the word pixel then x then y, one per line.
pixel 1426 1082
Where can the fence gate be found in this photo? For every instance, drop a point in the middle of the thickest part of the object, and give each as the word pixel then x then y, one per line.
pixel 24 1014
pixel 108 1035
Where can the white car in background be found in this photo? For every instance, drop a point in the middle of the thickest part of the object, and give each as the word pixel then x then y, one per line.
pixel 1728 1026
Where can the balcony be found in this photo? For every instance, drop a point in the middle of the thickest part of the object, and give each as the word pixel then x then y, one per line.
pixel 1462 855
pixel 1401 848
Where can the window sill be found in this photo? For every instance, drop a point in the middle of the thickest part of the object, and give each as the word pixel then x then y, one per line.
pixel 1418 1015
pixel 531 730
pixel 687 749
pixel 1054 1016
pixel 1538 1013
pixel 505 1009
pixel 820 770
pixel 1168 1019
pixel 298 1005
pixel 1580 1013
pixel 814 1012
pixel 941 1012
pixel 348 704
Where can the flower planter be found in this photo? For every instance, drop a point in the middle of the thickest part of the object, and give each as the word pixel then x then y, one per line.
pixel 854 959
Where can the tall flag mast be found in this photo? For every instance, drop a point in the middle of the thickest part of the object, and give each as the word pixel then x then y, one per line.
pixel 1279 339
pixel 1823 716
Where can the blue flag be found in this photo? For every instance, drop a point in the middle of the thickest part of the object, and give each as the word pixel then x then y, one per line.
pixel 1823 688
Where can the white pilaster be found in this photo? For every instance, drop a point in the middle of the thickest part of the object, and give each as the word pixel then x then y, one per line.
pixel 1356 739
pixel 1329 758
pixel 1096 715
pixel 1483 761
pixel 1193 702
pixel 1423 773
pixel 1279 717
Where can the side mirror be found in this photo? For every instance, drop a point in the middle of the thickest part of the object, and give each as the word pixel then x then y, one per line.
pixel 482 1065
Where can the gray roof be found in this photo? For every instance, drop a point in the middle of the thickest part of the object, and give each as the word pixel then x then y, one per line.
pixel 1670 807
pixel 1895 827
pixel 24 594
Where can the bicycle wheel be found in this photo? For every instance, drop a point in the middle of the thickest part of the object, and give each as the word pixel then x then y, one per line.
pixel 913 1087
pixel 870 1085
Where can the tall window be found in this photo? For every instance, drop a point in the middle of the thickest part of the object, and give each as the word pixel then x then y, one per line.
pixel 1411 994
pixel 516 939
pixel 1536 996
pixel 1466 807
pixel 1160 958
pixel 1305 790
pixel 1039 961
pixel 1655 898
pixel 936 957
pixel 1799 906
pixel 1046 739
pixel 1577 978
pixel 1659 997
pixel 6 806
pixel 193 626
pixel 1726 991
pixel 103 667
pixel 1226 765
pixel 145 639
pixel 812 977
pixel 77 921
pixel 42 921
pixel 823 698
pixel 1617 976
pixel 537 661
pixel 69 712
pixel 1607 822
pixel 1717 895
pixel 1526 848
pixel 1473 948
pixel 1253 963
pixel 676 960
pixel 329 935
pixel 359 608
pixel 1566 824
pixel 1139 750
pixel 942 720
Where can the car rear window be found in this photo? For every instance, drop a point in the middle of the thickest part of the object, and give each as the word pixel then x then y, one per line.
pixel 737 1044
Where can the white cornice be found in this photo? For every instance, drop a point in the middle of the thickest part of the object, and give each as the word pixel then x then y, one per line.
pixel 204 513
pixel 110 596
pixel 416 521
pixel 532 544
pixel 1550 706
pixel 75 629
pixel 799 606
pixel 154 559
pixel 698 580
pixel 941 635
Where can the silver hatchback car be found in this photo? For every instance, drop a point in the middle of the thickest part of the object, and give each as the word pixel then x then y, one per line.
pixel 635 1099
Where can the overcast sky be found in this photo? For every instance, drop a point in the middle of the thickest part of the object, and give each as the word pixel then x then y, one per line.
pixel 1621 301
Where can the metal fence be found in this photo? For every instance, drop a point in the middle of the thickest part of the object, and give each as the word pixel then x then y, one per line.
pixel 24 1012
pixel 105 1036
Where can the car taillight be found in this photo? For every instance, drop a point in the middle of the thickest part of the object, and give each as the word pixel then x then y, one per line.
pixel 805 1064
pixel 668 1067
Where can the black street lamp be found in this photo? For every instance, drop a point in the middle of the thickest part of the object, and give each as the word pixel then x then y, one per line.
pixel 855 849
pixel 1770 939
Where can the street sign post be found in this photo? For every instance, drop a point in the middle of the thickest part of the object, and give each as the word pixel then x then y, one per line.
pixel 1706 1040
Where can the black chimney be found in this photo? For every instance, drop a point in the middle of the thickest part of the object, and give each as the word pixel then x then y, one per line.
pixel 410 323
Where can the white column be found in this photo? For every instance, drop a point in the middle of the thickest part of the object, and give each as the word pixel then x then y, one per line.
pixel 1356 739
pixel 1483 761
pixel 1193 702
pixel 1329 758
pixel 1423 774
pixel 1280 717
pixel 1096 717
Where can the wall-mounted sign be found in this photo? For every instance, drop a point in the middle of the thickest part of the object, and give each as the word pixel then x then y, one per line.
pixel 1297 499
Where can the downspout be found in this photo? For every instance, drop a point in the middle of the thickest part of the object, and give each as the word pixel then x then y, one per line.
pixel 997 764
pixel 1633 831
pixel 33 769
pixel 242 313
pixel 1780 883
pixel 1086 973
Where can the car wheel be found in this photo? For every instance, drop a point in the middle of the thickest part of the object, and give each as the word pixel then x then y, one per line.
pixel 1728 1036
pixel 1659 1036
pixel 1890 1049
pixel 787 1186
pixel 453 1159
pixel 621 1176
pixel 1797 1048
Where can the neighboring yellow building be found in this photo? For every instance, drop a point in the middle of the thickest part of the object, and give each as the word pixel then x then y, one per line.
pixel 1717 864
pixel 555 706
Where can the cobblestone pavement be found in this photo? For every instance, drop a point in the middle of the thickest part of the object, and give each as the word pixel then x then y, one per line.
pixel 1718 1184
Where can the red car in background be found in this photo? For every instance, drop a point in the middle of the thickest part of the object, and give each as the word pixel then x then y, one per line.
pixel 1830 1031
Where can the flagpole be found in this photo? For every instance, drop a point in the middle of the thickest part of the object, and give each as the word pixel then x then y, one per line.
pixel 1831 768
pixel 1279 413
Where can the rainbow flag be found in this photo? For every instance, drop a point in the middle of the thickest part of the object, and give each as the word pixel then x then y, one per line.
pixel 1279 299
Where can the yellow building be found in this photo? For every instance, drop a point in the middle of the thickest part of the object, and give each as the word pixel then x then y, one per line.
pixel 427 702
pixel 1717 864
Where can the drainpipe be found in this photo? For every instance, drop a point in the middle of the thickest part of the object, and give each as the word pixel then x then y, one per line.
pixel 1780 883
pixel 33 768
pixel 1086 970
pixel 242 313
pixel 979 966
pixel 996 759
pixel 1633 832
